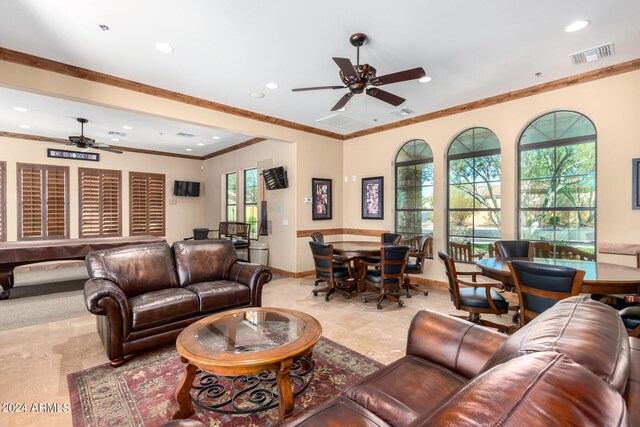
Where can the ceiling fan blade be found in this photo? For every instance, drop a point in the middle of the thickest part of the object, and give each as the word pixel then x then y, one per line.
pixel 400 76
pixel 347 68
pixel 343 101
pixel 385 96
pixel 300 89
pixel 111 150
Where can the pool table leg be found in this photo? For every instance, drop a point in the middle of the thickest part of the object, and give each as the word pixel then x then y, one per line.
pixel 6 281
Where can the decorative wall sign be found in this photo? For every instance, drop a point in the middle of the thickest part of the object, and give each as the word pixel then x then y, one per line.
pixel 636 184
pixel 321 191
pixel 74 155
pixel 373 198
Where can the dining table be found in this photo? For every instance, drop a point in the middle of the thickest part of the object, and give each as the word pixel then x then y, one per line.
pixel 600 277
pixel 358 250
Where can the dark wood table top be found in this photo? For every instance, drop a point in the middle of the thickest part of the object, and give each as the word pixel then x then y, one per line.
pixel 600 277
pixel 358 249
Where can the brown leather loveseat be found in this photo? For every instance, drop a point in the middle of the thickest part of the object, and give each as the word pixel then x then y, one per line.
pixel 145 295
pixel 572 365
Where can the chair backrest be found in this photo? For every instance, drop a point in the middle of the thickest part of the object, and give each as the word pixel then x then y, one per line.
pixel 322 258
pixel 317 237
pixel 200 233
pixel 542 250
pixel 514 249
pixel 393 260
pixel 393 238
pixel 541 286
pixel 461 251
pixel 426 244
pixel 493 252
pixel 569 252
pixel 450 269
pixel 232 228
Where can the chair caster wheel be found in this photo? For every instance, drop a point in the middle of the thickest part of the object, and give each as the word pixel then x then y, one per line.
pixel 408 295
pixel 347 296
pixel 378 306
pixel 364 301
pixel 426 293
pixel 400 304
pixel 326 298
pixel 315 294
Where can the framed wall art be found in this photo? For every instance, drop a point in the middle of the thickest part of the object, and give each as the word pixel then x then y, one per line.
pixel 321 193
pixel 636 184
pixel 373 198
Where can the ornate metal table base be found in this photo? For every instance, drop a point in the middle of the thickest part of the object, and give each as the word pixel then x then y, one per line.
pixel 247 394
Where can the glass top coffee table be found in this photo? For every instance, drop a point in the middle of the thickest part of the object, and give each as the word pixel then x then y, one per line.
pixel 245 360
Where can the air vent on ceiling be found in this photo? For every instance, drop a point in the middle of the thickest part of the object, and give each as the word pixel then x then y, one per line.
pixel 114 133
pixel 593 54
pixel 402 112
pixel 342 122
pixel 185 135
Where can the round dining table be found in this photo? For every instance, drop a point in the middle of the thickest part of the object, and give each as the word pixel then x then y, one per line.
pixel 600 277
pixel 355 249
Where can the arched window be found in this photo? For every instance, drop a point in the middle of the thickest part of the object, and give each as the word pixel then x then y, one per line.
pixel 557 182
pixel 474 193
pixel 414 190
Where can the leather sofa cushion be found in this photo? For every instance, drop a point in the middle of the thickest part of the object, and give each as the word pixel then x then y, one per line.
pixel 203 260
pixel 405 389
pixel 542 389
pixel 161 307
pixel 135 269
pixel 339 412
pixel 220 294
pixel 588 332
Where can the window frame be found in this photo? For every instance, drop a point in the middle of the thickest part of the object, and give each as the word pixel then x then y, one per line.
pixel 148 176
pixel 101 174
pixel 44 187
pixel 227 204
pixel 254 230
pixel 555 144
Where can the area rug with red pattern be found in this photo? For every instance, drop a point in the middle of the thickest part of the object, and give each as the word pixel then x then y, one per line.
pixel 142 391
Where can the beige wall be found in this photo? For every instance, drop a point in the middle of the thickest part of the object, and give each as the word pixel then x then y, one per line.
pixel 181 216
pixel 613 104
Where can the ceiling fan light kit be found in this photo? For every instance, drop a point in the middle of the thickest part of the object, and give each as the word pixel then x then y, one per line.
pixel 86 143
pixel 361 78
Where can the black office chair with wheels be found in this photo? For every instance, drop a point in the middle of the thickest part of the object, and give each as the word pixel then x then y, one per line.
pixel 474 297
pixel 415 265
pixel 388 276
pixel 541 286
pixel 317 236
pixel 514 249
pixel 388 239
pixel 338 276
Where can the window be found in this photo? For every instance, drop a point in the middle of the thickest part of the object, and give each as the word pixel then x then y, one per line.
pixel 251 200
pixel 231 197
pixel 3 198
pixel 146 204
pixel 100 207
pixel 474 190
pixel 43 202
pixel 557 181
pixel 414 190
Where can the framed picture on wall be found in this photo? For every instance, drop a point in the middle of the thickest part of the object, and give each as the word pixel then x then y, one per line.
pixel 636 184
pixel 321 193
pixel 373 198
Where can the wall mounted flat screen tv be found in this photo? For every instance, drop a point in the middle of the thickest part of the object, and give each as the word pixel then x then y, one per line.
pixel 275 178
pixel 186 189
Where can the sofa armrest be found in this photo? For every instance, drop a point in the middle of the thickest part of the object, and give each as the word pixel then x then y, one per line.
pixel 97 290
pixel 252 275
pixel 456 344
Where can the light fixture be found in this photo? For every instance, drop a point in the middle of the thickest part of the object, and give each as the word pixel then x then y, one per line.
pixel 25 126
pixel 342 109
pixel 215 137
pixel 164 47
pixel 272 85
pixel 576 26
pixel 20 109
pixel 200 144
pixel 127 127
pixel 115 139
pixel 256 95
pixel 188 149
pixel 104 27
pixel 425 79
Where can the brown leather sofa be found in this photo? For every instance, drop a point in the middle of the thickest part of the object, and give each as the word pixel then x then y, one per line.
pixel 572 365
pixel 144 295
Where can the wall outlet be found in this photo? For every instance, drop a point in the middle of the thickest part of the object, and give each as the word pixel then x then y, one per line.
pixel 285 222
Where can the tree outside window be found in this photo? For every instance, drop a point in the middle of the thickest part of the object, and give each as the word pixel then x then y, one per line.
pixel 251 200
pixel 231 197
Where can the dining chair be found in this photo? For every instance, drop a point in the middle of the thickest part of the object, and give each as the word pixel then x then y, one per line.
pixel 338 276
pixel 415 265
pixel 541 286
pixel 388 276
pixel 199 234
pixel 317 236
pixel 385 238
pixel 462 252
pixel 631 315
pixel 514 249
pixel 474 297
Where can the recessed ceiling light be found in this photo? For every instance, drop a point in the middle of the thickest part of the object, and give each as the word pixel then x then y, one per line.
pixel 256 95
pixel 341 109
pixel 25 126
pixel 425 79
pixel 272 85
pixel 115 139
pixel 200 144
pixel 127 127
pixel 20 109
pixel 164 47
pixel 188 149
pixel 104 27
pixel 215 137
pixel 576 26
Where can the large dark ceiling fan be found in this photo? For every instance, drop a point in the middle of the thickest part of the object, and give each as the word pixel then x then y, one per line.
pixel 86 143
pixel 362 78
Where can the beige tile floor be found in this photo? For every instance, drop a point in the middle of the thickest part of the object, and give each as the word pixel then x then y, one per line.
pixel 34 361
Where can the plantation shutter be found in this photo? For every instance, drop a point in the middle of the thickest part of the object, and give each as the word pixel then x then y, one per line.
pixel 3 201
pixel 146 194
pixel 100 208
pixel 43 201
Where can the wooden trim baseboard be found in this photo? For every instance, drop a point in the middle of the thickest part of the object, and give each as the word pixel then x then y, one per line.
pixel 291 274
pixel 336 231
pixel 429 282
